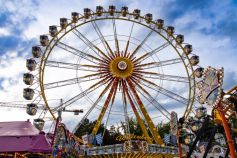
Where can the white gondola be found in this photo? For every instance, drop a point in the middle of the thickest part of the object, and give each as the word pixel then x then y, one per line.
pixel 28 93
pixel 198 72
pixel 63 22
pixel 87 13
pixel 124 11
pixel 53 30
pixel 136 13
pixel 148 17
pixel 28 78
pixel 188 49
pixel 39 123
pixel 194 60
pixel 201 112
pixel 99 10
pixel 160 23
pixel 36 51
pixel 31 64
pixel 44 40
pixel 111 10
pixel 75 16
pixel 179 39
pixel 170 30
pixel 31 109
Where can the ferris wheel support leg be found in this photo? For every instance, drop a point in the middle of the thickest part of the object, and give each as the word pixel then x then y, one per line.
pixel 107 101
pixel 227 133
pixel 150 123
pixel 141 124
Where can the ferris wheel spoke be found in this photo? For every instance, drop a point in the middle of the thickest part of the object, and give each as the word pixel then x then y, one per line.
pixel 72 81
pixel 127 45
pixel 103 110
pixel 154 75
pixel 77 52
pixel 96 74
pixel 111 105
pixel 90 44
pixel 84 93
pixel 126 118
pixel 163 91
pixel 140 121
pixel 115 35
pixel 93 106
pixel 149 54
pixel 83 67
pixel 102 38
pixel 140 45
pixel 12 105
pixel 150 99
pixel 151 125
pixel 159 64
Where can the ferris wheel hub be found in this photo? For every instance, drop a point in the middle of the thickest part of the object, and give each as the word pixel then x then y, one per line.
pixel 122 65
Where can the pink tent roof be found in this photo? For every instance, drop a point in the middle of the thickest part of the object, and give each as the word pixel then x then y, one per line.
pixel 22 136
pixel 17 128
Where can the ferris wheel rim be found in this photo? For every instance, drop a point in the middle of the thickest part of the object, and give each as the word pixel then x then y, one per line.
pixel 43 60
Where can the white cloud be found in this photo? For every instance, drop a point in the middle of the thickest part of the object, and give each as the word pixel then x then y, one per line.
pixel 4 32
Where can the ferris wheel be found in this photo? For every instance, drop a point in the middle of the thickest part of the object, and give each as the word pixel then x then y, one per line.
pixel 113 64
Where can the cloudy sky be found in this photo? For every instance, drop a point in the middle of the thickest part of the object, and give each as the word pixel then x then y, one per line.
pixel 210 26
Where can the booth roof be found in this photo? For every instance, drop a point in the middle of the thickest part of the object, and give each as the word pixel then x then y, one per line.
pixel 17 128
pixel 22 136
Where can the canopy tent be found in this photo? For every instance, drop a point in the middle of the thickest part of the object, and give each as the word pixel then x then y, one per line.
pixel 22 136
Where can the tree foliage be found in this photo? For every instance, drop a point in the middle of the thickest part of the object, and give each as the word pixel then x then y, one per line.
pixel 111 134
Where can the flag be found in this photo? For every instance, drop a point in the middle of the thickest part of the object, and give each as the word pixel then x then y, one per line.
pixel 167 138
pixel 99 138
pixel 173 139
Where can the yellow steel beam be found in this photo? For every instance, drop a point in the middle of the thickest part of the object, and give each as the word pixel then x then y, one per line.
pixel 151 125
pixel 98 122
pixel 78 139
pixel 139 120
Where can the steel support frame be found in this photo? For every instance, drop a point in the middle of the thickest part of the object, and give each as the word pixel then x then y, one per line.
pixel 198 135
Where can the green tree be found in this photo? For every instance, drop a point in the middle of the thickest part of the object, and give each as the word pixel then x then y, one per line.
pixel 87 127
pixel 163 128
pixel 114 132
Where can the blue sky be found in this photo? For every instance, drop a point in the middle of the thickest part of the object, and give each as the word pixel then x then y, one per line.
pixel 210 26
